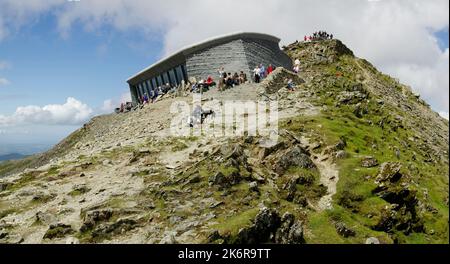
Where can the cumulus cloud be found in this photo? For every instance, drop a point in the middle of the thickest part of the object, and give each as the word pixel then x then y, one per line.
pixel 396 36
pixel 72 112
pixel 444 114
pixel 110 104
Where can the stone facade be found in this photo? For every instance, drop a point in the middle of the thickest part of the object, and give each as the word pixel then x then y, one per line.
pixel 236 52
pixel 235 56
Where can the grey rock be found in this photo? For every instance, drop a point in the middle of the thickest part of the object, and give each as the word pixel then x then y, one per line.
pixel 389 171
pixel 119 227
pixel 45 218
pixel 253 186
pixel 195 179
pixel 369 162
pixel 341 154
pixel 343 230
pixel 94 217
pixel 169 238
pixel 58 231
pixel 296 157
pixel 372 240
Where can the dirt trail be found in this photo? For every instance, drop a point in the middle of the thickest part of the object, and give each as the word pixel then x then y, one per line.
pixel 329 177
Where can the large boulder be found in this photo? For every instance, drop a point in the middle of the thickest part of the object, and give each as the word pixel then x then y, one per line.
pixel 343 230
pixel 369 162
pixel 296 157
pixel 277 80
pixel 94 217
pixel 290 231
pixel 269 227
pixel 58 231
pixel 119 227
pixel 265 223
pixel 389 171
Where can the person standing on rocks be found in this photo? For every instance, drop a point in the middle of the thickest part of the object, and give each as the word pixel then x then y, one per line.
pixel 297 66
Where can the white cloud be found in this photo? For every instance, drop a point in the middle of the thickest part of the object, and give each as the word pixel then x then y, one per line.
pixel 396 36
pixel 444 114
pixel 110 105
pixel 4 81
pixel 73 112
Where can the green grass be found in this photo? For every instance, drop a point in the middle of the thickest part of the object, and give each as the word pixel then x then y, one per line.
pixel 233 224
pixel 354 196
pixel 10 167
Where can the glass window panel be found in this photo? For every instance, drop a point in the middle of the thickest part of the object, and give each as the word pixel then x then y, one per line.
pixel 172 77
pixel 179 72
pixel 165 79
pixel 183 69
pixel 149 87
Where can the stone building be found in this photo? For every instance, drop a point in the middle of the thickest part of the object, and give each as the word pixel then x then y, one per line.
pixel 235 52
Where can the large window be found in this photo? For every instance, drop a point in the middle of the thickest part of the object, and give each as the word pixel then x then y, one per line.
pixel 173 78
pixel 183 69
pixel 179 72
pixel 165 79
pixel 149 87
pixel 141 89
pixel 136 89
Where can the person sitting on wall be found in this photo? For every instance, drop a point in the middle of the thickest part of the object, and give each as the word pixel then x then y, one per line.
pixel 194 87
pixel 290 85
pixel 155 94
pixel 223 81
pixel 202 86
pixel 145 98
pixel 166 88
pixel 210 82
pixel 229 81
pixel 236 79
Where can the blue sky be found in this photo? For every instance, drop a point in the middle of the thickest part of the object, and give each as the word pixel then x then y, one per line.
pixel 92 67
pixel 61 59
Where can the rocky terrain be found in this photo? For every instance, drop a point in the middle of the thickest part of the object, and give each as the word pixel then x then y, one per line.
pixel 359 158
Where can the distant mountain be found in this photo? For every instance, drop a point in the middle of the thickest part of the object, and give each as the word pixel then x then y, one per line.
pixel 12 156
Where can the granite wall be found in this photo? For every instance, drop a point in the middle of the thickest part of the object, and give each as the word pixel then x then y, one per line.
pixel 235 56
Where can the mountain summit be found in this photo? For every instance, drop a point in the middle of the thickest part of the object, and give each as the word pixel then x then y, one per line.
pixel 359 158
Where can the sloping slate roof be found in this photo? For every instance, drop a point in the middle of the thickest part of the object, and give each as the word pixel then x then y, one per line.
pixel 184 52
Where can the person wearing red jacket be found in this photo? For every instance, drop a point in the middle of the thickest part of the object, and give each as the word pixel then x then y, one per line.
pixel 269 69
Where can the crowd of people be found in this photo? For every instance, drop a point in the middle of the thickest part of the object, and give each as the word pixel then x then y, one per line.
pixel 154 93
pixel 260 72
pixel 227 80
pixel 318 35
